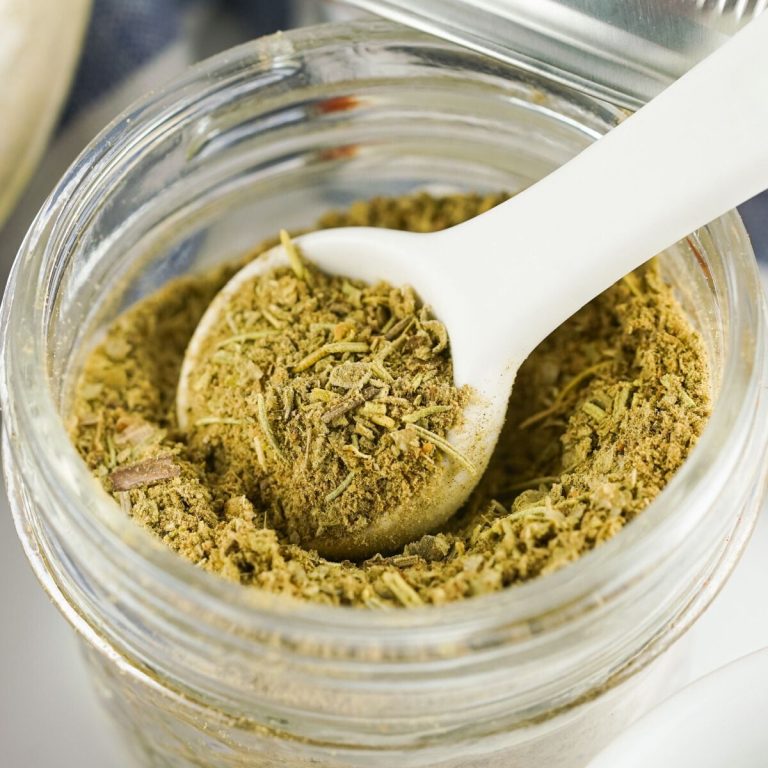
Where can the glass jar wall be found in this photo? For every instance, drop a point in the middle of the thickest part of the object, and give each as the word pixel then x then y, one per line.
pixel 200 672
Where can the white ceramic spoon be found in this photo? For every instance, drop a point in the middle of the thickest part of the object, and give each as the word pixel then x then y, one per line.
pixel 504 280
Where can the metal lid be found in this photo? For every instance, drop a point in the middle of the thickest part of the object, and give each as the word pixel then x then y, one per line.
pixel 625 51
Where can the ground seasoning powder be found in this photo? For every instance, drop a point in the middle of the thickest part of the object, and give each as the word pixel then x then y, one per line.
pixel 602 414
pixel 325 399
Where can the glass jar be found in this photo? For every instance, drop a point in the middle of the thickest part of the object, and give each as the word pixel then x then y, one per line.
pixel 201 672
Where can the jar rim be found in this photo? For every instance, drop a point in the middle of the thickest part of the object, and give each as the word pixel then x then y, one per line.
pixel 30 411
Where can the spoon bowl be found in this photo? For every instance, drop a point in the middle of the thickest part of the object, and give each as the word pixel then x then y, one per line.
pixel 348 251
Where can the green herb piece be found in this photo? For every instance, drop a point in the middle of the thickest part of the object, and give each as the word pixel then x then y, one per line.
pixel 341 487
pixel 261 406
pixel 240 337
pixel 337 348
pixel 446 448
pixel 424 413
pixel 294 257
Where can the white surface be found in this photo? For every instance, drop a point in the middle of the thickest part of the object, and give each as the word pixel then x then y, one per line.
pixel 717 721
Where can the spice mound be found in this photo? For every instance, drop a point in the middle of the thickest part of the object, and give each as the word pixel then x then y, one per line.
pixel 328 400
pixel 602 414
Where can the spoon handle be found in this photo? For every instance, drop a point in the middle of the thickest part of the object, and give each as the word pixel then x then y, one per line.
pixel 693 153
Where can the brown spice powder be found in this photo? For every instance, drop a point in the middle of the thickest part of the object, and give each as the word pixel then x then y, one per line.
pixel 328 401
pixel 603 413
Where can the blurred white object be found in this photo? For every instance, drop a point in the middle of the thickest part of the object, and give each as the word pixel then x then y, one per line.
pixel 717 721
pixel 39 49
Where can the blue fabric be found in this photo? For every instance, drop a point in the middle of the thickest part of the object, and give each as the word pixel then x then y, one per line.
pixel 755 215
pixel 124 34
